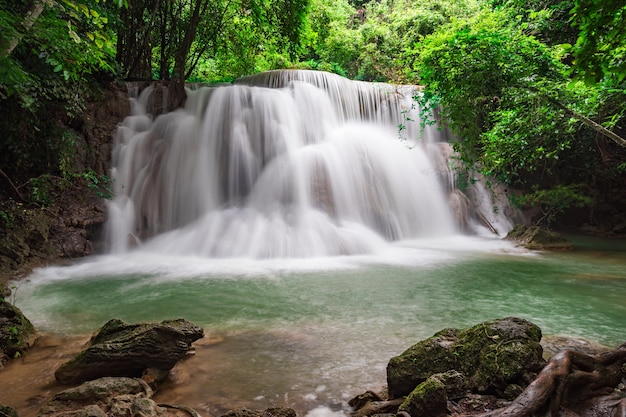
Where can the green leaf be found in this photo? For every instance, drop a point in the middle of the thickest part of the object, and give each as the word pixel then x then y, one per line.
pixel 74 36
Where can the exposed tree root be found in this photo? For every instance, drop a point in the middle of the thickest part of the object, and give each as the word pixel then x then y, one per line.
pixel 573 381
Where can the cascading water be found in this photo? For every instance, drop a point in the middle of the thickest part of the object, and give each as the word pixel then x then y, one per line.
pixel 301 165
pixel 284 164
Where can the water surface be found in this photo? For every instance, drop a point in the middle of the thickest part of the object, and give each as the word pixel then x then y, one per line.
pixel 310 333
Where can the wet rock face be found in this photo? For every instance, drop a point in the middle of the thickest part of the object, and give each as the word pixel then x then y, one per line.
pixel 69 226
pixel 492 356
pixel 121 349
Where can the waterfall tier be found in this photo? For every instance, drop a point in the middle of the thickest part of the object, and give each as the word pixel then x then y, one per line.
pixel 284 164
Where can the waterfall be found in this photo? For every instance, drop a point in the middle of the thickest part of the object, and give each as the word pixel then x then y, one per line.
pixel 286 164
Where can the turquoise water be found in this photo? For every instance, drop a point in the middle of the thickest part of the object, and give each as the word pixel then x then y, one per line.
pixel 315 332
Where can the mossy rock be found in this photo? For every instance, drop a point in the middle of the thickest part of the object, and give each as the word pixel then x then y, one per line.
pixel 17 333
pixel 537 238
pixel 430 398
pixel 492 355
pixel 427 399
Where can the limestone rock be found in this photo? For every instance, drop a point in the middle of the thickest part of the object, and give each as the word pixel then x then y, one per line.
pixel 492 355
pixel 536 238
pixel 121 349
pixel 104 397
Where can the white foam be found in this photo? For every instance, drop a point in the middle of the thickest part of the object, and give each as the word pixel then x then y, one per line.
pixel 325 412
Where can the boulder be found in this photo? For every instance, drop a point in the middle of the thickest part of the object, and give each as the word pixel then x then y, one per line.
pixel 491 355
pixel 537 238
pixel 104 397
pixel 427 399
pixel 17 333
pixel 121 349
pixel 553 344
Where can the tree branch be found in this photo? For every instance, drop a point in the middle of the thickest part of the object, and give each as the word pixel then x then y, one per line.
pixel 29 20
pixel 595 126
pixel 17 191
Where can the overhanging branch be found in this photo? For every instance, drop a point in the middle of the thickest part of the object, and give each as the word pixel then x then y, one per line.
pixel 595 126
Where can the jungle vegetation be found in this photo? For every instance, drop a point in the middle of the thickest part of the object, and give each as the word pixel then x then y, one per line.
pixel 535 91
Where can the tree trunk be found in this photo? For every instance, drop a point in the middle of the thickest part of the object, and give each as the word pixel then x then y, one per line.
pixel 28 22
pixel 176 91
pixel 134 49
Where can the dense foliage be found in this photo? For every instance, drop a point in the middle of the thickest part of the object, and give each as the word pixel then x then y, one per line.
pixel 534 90
pixel 507 90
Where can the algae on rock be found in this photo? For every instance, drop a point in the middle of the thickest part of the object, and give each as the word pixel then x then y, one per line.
pixel 492 355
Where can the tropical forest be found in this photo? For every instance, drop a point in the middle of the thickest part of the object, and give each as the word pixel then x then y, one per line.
pixel 314 208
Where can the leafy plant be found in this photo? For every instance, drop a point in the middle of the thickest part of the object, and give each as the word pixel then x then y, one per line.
pixel 600 49
pixel 555 201
pixel 101 184
pixel 7 219
pixel 42 189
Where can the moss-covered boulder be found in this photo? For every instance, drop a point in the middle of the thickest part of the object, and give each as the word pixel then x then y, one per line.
pixel 537 238
pixel 491 355
pixel 122 349
pixel 17 333
pixel 430 398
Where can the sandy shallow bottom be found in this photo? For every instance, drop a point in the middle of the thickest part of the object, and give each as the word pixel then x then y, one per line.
pixel 28 382
pixel 198 382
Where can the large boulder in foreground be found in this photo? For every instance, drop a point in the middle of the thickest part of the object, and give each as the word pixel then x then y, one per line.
pixel 495 356
pixel 121 349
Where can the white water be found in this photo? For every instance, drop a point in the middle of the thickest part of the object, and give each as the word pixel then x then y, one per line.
pixel 232 214
pixel 307 164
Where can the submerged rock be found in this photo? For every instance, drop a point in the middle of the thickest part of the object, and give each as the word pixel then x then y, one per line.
pixel 121 349
pixel 554 344
pixel 537 238
pixel 268 412
pixel 492 356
